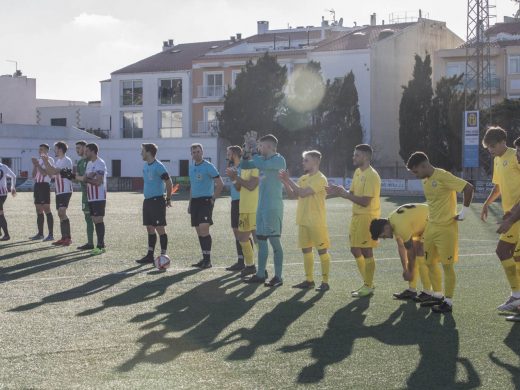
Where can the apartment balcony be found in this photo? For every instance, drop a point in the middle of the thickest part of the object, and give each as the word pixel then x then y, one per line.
pixel 207 129
pixel 493 85
pixel 211 92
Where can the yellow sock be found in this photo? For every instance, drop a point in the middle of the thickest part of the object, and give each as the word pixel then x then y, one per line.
pixel 247 250
pixel 435 277
pixel 511 274
pixel 370 269
pixel 325 267
pixel 360 261
pixel 449 280
pixel 420 264
pixel 308 264
pixel 413 283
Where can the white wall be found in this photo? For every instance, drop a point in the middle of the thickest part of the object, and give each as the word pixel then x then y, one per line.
pixel 339 64
pixel 150 107
pixel 106 105
pixel 18 100
pixel 82 117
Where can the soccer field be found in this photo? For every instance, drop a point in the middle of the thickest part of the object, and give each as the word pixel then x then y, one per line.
pixel 73 321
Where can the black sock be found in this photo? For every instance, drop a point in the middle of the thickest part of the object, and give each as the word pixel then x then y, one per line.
pixel 240 254
pixel 100 233
pixel 205 244
pixel 3 225
pixel 50 224
pixel 39 222
pixel 163 239
pixel 152 239
pixel 65 228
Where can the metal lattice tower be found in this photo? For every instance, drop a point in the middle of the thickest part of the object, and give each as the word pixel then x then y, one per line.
pixel 477 77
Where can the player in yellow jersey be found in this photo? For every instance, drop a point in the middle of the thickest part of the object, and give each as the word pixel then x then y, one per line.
pixel 311 217
pixel 506 180
pixel 364 192
pixel 407 225
pixel 442 231
pixel 245 181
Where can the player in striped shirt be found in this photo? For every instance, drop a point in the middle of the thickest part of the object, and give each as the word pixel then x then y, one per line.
pixel 42 194
pixel 5 172
pixel 63 189
pixel 96 179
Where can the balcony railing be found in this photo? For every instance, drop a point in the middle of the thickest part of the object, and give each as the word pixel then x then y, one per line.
pixel 207 129
pixel 100 133
pixel 493 85
pixel 211 91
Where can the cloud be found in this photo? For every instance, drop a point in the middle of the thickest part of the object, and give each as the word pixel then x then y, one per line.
pixel 94 20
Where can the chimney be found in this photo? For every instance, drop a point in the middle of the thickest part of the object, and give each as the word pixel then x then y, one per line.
pixel 262 27
pixel 373 20
pixel 167 44
pixel 232 38
pixel 170 42
pixel 420 13
pixel 239 36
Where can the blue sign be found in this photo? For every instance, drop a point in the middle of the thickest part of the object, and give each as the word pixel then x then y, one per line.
pixel 471 139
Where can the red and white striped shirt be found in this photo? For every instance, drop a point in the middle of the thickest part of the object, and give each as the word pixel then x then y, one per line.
pixel 39 178
pixel 96 168
pixel 5 172
pixel 63 186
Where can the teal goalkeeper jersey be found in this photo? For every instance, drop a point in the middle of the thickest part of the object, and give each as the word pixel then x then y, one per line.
pixel 270 187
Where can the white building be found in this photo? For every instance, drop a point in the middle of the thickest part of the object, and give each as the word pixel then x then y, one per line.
pixel 17 99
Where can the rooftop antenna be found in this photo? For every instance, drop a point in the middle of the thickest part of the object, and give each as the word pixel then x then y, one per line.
pixel 517 14
pixel 333 13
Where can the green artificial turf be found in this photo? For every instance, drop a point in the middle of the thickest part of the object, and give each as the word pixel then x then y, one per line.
pixel 73 321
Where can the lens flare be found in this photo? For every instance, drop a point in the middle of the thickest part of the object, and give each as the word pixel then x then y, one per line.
pixel 304 90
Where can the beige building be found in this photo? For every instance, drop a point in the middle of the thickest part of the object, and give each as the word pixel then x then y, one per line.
pixel 504 61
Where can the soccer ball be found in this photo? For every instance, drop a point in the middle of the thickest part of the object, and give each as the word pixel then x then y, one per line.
pixel 162 262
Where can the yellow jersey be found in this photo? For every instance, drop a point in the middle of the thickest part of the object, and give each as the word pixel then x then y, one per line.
pixel 440 190
pixel 409 220
pixel 311 211
pixel 506 174
pixel 367 183
pixel 248 199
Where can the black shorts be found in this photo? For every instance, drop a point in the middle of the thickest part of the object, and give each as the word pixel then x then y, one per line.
pixel 62 200
pixel 42 193
pixel 201 210
pixel 2 201
pixel 154 211
pixel 235 213
pixel 97 208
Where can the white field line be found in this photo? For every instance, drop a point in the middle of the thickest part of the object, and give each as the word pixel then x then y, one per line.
pixel 190 268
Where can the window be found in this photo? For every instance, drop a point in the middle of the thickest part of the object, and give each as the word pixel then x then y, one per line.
pixel 131 93
pixel 171 124
pixel 514 64
pixel 234 75
pixel 132 124
pixel 210 123
pixel 214 84
pixel 184 168
pixel 58 121
pixel 170 91
pixel 455 69
pixel 116 168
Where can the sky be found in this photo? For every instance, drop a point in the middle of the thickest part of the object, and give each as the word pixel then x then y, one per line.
pixel 69 45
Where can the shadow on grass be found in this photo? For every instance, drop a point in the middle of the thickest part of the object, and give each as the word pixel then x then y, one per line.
pixel 16 254
pixel 436 336
pixel 202 313
pixel 90 288
pixel 270 328
pixel 42 264
pixel 513 342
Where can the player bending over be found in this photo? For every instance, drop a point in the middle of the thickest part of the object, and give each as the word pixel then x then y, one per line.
pixel 407 225
pixel 311 217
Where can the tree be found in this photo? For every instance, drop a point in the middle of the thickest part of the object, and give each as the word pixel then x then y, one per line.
pixel 414 109
pixel 255 101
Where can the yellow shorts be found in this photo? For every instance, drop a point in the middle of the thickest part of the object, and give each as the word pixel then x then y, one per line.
pixel 511 236
pixel 247 222
pixel 313 237
pixel 360 236
pixel 441 243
